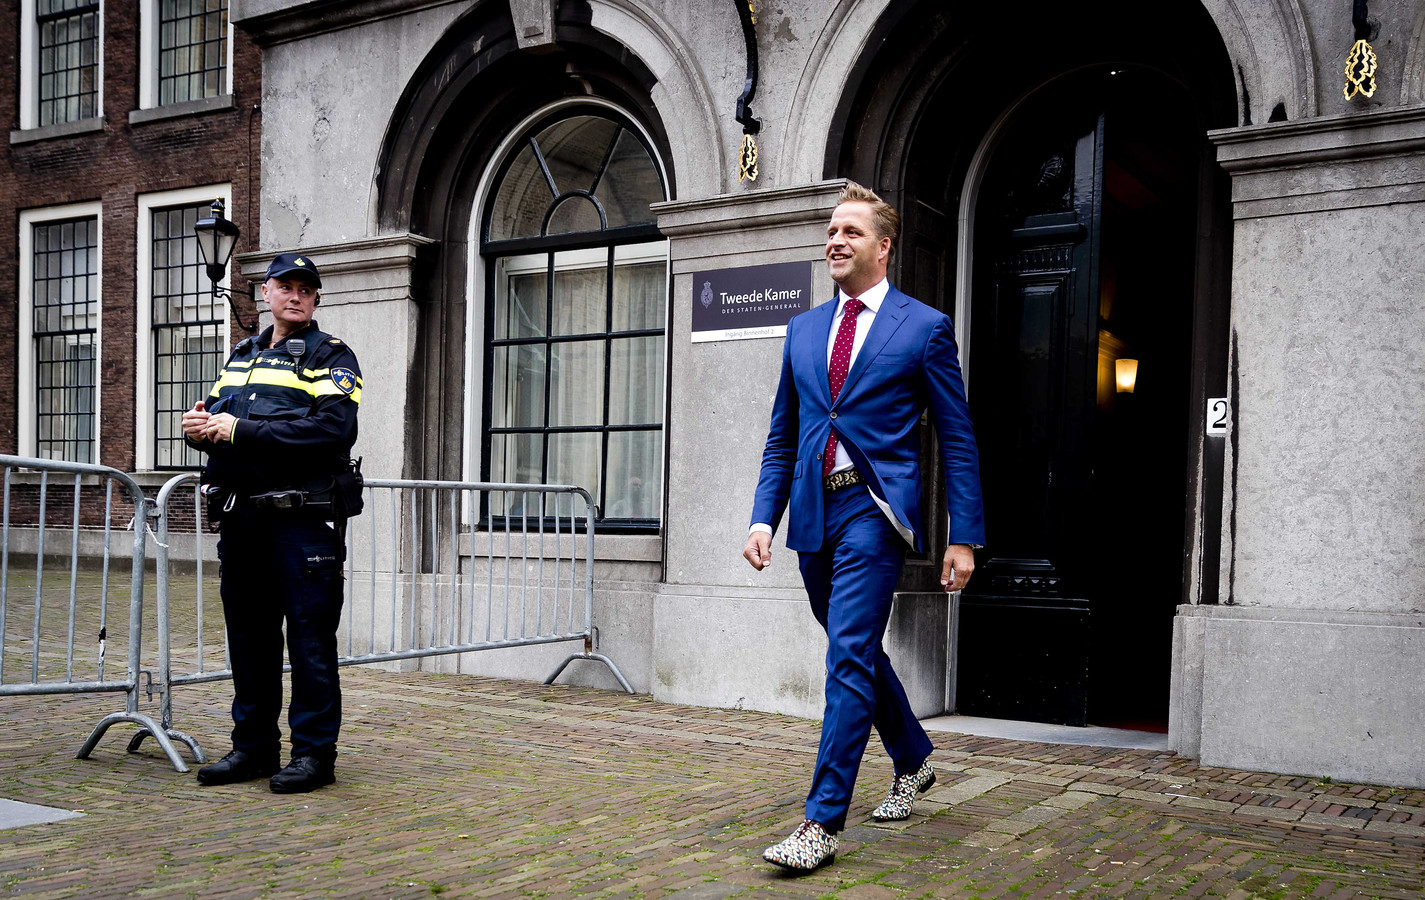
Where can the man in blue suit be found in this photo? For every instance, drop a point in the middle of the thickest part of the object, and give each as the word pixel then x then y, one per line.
pixel 843 453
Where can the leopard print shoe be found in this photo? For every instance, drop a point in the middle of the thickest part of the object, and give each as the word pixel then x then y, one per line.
pixel 809 847
pixel 898 802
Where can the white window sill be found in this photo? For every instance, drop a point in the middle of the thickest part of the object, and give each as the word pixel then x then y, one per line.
pixel 62 130
pixel 178 110
pixel 607 547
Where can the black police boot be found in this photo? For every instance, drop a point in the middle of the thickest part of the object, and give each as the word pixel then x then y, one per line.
pixel 237 766
pixel 303 774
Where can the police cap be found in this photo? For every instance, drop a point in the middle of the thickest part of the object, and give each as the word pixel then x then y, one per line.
pixel 287 263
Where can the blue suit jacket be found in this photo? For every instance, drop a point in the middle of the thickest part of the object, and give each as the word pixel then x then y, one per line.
pixel 907 364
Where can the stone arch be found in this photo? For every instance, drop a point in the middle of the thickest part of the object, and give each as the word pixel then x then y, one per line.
pixel 695 145
pixel 1258 37
pixel 1412 79
pixel 470 69
pixel 473 88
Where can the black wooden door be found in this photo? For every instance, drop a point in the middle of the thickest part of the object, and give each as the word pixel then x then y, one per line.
pixel 1024 621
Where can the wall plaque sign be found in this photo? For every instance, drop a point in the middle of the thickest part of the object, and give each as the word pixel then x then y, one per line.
pixel 749 302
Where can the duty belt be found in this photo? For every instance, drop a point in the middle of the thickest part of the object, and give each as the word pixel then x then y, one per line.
pixel 843 479
pixel 280 500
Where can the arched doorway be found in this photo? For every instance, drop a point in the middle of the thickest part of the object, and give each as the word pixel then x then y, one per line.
pixel 1080 324
pixel 1068 214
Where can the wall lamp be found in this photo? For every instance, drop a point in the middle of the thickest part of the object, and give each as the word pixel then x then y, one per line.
pixel 217 237
pixel 1125 372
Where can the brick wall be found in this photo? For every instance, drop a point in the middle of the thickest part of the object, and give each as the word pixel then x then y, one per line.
pixel 115 166
pixel 24 506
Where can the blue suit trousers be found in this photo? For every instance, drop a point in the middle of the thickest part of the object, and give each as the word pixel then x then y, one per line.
pixel 851 581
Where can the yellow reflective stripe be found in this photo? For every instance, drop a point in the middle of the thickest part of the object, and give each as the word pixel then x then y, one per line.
pixel 329 389
pixel 240 364
pixel 282 378
pixel 229 379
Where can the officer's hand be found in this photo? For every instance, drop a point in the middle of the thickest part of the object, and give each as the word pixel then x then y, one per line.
pixel 195 422
pixel 758 551
pixel 220 427
pixel 959 566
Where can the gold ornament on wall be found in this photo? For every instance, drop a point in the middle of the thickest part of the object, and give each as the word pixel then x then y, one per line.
pixel 747 159
pixel 747 153
pixel 1360 71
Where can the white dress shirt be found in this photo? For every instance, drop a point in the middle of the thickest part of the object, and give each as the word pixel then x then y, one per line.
pixel 873 298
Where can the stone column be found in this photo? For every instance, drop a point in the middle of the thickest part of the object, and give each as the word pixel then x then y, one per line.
pixel 1313 664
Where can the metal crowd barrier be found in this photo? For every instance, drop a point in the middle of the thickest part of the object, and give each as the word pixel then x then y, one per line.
pixel 68 631
pixel 429 572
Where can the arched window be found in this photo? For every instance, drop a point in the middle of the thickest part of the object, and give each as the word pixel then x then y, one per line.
pixel 577 292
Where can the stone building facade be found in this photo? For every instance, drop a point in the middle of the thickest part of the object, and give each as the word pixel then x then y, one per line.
pixel 519 204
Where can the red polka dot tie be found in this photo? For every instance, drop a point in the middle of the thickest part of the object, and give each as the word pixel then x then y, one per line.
pixel 838 367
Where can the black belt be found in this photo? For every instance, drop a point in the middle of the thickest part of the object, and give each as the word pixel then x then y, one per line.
pixel 843 479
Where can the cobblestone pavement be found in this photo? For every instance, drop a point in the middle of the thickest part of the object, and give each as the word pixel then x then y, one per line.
pixel 468 787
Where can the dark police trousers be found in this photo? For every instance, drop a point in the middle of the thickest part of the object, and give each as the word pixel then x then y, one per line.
pixel 280 565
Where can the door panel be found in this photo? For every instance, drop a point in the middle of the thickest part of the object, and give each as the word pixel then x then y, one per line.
pixel 1024 621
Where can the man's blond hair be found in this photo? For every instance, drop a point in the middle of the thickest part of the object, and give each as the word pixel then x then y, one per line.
pixel 884 218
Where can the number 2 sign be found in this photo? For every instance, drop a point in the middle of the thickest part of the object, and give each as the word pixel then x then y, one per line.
pixel 1218 414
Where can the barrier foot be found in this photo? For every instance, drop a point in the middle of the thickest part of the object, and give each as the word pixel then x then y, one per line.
pixel 596 657
pixel 194 750
pixel 144 722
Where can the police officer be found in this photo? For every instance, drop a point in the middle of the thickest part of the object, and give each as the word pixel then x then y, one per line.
pixel 278 428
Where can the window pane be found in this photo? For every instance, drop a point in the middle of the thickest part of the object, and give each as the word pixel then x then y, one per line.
pixel 576 383
pixel 570 312
pixel 640 296
pixel 574 214
pixel 636 369
pixel 574 149
pixel 579 296
pixel 187 331
pixel 522 200
pixel 630 184
pixel 522 304
pixel 575 459
pixel 65 389
pixel 193 50
pixel 635 475
pixel 68 60
pixel 517 386
pixel 514 459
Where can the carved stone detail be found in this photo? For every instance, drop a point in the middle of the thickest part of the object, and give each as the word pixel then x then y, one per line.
pixel 534 22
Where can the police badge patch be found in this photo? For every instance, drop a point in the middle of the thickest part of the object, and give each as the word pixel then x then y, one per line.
pixel 344 379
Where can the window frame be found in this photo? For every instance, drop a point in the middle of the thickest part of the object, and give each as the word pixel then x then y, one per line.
pixel 482 272
pixel 149 24
pixel 29 94
pixel 27 401
pixel 145 372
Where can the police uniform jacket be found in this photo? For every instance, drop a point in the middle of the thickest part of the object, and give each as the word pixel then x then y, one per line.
pixel 296 413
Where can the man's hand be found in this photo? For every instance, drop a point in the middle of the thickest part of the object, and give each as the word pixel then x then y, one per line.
pixel 959 566
pixel 220 428
pixel 758 551
pixel 195 422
